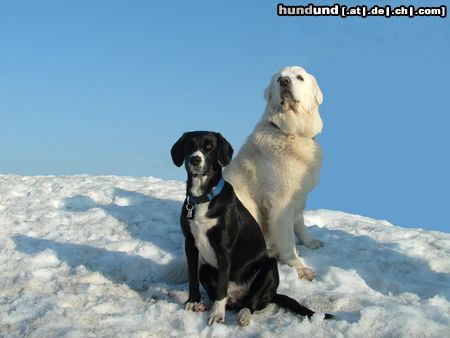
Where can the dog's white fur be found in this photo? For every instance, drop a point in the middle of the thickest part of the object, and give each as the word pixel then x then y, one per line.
pixel 279 164
pixel 200 226
pixel 217 313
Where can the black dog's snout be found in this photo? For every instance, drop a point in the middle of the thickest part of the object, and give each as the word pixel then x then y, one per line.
pixel 195 160
pixel 284 81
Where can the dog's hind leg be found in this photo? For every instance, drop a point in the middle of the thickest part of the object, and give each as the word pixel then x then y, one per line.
pixel 261 291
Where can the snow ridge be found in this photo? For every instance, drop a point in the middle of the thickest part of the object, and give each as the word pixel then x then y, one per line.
pixel 82 256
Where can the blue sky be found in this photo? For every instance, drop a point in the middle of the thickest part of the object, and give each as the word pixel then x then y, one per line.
pixel 106 87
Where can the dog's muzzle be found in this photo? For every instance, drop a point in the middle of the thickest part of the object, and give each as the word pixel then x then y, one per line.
pixel 285 81
pixel 285 88
pixel 285 93
pixel 196 163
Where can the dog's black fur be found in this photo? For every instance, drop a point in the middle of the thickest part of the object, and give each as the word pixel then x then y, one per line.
pixel 236 239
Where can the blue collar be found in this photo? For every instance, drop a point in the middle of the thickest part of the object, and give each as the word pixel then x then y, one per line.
pixel 209 196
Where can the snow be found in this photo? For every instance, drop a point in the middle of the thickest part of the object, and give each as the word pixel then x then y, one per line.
pixel 81 256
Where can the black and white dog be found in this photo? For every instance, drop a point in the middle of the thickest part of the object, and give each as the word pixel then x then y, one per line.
pixel 235 269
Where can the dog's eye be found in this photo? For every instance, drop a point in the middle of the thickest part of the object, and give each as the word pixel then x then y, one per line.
pixel 279 79
pixel 209 146
pixel 299 77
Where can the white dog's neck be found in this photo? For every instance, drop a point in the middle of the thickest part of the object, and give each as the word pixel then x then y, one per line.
pixel 295 120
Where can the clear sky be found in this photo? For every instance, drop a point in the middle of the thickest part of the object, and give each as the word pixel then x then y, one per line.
pixel 106 87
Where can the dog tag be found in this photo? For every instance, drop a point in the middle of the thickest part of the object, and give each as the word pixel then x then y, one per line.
pixel 189 208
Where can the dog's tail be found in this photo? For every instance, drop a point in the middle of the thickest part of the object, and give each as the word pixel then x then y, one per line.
pixel 175 272
pixel 296 307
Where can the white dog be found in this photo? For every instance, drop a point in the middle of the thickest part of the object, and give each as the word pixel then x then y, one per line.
pixel 280 162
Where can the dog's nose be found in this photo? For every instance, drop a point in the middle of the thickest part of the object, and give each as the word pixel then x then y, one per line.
pixel 195 160
pixel 284 81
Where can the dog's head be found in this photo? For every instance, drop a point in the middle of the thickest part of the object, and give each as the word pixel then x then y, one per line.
pixel 202 152
pixel 294 85
pixel 293 98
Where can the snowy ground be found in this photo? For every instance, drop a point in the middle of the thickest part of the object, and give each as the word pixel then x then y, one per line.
pixel 80 256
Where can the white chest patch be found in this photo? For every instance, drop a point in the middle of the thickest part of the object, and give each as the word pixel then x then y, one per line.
pixel 199 226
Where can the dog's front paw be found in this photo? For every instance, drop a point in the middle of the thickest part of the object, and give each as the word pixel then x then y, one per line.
pixel 215 319
pixel 305 273
pixel 195 306
pixel 217 314
pixel 313 244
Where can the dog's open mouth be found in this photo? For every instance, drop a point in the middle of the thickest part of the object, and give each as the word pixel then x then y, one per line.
pixel 286 94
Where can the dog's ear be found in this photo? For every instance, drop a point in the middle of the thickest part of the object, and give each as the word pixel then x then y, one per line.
pixel 318 96
pixel 225 153
pixel 315 124
pixel 268 90
pixel 177 151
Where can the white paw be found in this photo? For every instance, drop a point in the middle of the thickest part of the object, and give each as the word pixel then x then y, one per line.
pixel 244 316
pixel 195 306
pixel 305 273
pixel 313 244
pixel 217 313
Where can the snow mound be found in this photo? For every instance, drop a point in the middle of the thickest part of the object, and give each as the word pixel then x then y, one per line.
pixel 82 256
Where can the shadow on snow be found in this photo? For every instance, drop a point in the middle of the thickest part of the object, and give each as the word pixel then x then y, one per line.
pixel 380 265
